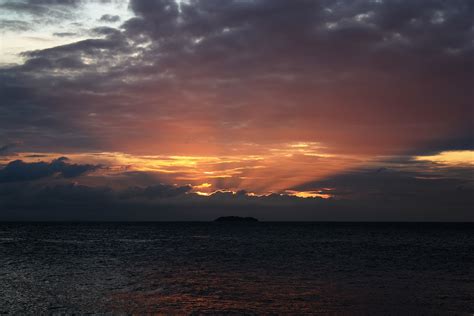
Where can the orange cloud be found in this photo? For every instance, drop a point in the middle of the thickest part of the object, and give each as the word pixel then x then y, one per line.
pixel 455 157
pixel 270 170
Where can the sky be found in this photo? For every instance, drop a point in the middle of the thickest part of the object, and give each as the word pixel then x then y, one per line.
pixel 347 110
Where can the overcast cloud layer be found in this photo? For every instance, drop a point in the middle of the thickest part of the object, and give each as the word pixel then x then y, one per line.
pixel 162 101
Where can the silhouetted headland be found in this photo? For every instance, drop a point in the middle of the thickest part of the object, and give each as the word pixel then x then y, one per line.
pixel 236 219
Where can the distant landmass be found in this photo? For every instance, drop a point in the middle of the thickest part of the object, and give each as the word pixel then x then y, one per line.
pixel 236 219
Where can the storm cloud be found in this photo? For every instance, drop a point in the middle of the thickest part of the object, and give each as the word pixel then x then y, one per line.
pixel 21 171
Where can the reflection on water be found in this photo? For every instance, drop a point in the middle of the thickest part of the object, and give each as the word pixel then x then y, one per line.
pixel 208 268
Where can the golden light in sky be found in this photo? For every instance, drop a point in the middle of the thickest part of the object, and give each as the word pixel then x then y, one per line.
pixel 458 157
pixel 272 170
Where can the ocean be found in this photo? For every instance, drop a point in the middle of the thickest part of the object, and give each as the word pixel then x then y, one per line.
pixel 237 268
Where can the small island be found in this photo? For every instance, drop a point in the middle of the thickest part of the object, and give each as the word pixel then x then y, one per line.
pixel 236 219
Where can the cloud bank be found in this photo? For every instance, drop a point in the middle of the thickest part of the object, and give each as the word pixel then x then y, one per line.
pixel 43 191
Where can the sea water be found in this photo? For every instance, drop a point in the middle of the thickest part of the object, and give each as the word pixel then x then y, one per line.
pixel 247 268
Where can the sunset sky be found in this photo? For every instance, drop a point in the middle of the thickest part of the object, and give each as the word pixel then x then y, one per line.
pixel 279 109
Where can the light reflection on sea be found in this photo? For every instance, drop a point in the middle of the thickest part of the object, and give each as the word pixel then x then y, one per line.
pixel 262 268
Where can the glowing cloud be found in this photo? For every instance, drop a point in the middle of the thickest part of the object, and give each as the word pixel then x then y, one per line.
pixel 460 157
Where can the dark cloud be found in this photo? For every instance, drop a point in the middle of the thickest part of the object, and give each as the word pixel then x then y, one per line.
pixel 89 46
pixel 64 34
pixel 463 140
pixel 14 25
pixel 7 149
pixel 42 63
pixel 155 191
pixel 35 6
pixel 366 67
pixel 167 202
pixel 28 7
pixel 42 8
pixel 109 18
pixel 104 30
pixel 381 194
pixel 390 188
pixel 19 170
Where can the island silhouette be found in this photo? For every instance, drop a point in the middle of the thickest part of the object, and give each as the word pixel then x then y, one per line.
pixel 235 219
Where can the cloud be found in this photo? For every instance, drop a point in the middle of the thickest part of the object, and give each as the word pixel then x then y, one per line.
pixel 14 25
pixel 109 18
pixel 27 7
pixel 64 34
pixel 104 30
pixel 89 46
pixel 7 149
pixel 366 67
pixel 398 189
pixel 155 191
pixel 19 201
pixel 46 9
pixel 364 194
pixel 361 79
pixel 21 171
pixel 463 140
pixel 37 6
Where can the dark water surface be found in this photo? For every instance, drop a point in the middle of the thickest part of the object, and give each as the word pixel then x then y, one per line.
pixel 207 268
